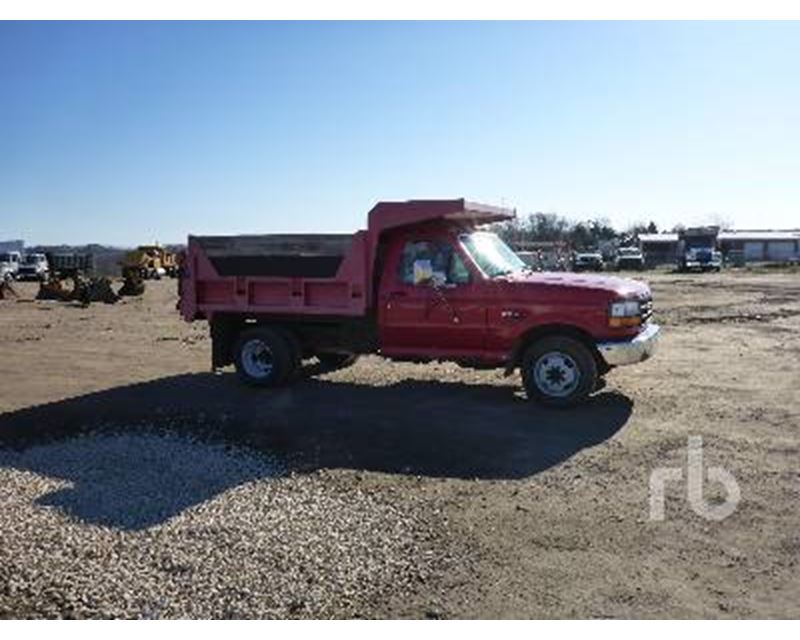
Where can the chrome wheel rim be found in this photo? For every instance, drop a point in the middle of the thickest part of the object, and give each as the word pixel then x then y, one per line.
pixel 257 359
pixel 556 374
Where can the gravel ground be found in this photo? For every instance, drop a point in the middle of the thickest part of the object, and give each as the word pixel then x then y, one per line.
pixel 164 526
pixel 395 489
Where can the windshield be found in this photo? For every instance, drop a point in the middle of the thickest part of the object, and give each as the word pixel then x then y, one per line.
pixel 492 255
pixel 700 242
pixel 6 257
pixel 32 259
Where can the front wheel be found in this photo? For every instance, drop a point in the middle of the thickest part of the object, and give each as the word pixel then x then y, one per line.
pixel 263 357
pixel 559 371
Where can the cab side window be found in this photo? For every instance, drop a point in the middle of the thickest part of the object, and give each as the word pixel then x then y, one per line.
pixel 458 272
pixel 444 264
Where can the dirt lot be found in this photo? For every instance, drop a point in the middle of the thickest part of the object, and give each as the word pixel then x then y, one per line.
pixel 490 506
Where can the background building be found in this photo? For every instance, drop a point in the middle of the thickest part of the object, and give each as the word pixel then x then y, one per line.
pixel 12 245
pixel 659 248
pixel 760 246
pixel 737 247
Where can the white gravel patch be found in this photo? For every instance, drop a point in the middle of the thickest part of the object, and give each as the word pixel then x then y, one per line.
pixel 165 526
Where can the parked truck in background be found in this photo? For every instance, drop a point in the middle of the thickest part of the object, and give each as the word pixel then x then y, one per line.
pixel 34 267
pixel 9 264
pixel 69 264
pixel 629 258
pixel 422 282
pixel 697 250
pixel 592 261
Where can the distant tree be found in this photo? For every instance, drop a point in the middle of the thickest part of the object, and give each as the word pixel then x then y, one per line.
pixel 580 236
pixel 640 228
pixel 547 226
pixel 602 229
pixel 511 231
pixel 534 227
pixel 551 227
pixel 633 232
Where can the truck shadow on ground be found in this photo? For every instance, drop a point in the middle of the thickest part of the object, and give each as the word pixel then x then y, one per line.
pixel 426 428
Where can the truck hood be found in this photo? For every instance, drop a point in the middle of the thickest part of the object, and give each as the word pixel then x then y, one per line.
pixel 611 285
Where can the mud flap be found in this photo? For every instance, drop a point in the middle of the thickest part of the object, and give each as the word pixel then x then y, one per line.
pixel 223 335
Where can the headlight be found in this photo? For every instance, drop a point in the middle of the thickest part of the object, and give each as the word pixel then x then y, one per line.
pixel 624 308
pixel 625 313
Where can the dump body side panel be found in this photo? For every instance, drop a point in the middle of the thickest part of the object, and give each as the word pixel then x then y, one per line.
pixel 316 274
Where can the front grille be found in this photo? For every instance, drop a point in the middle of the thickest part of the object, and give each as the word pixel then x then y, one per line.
pixel 646 310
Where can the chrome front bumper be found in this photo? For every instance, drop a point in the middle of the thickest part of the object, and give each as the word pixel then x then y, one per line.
pixel 638 349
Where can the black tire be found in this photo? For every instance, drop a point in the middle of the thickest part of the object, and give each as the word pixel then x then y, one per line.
pixel 263 357
pixel 554 385
pixel 332 361
pixel 295 347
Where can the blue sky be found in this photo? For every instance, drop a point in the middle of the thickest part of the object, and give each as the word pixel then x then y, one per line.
pixel 130 132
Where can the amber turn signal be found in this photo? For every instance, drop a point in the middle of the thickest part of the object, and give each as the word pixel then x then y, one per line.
pixel 627 321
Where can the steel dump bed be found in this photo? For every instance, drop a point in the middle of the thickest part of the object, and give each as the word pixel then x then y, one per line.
pixel 316 274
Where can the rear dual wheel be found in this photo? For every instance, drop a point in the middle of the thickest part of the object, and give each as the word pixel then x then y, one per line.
pixel 264 357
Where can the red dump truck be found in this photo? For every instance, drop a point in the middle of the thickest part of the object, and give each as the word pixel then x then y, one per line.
pixel 425 281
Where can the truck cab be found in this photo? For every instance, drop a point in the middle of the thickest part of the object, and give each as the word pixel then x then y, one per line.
pixel 34 267
pixel 629 258
pixel 9 264
pixel 589 261
pixel 697 249
pixel 425 281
